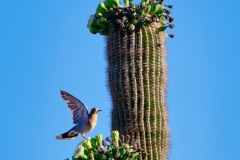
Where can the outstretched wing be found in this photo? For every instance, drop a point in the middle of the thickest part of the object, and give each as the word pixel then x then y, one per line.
pixel 79 110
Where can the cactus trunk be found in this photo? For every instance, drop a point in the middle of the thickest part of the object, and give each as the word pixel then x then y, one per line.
pixel 137 83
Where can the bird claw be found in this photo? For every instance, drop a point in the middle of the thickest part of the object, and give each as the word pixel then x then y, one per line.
pixel 85 138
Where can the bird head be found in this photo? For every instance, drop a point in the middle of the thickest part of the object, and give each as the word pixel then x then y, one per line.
pixel 95 111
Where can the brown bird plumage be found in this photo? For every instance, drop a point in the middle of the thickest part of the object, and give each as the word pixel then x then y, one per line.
pixel 85 122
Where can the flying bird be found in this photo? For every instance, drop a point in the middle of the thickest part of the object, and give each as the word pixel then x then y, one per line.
pixel 85 122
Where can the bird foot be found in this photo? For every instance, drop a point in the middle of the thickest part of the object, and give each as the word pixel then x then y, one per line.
pixel 85 138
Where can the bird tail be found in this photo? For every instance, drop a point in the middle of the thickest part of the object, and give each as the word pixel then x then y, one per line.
pixel 70 135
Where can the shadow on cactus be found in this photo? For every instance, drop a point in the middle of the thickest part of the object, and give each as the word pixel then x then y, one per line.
pixel 111 15
pixel 117 148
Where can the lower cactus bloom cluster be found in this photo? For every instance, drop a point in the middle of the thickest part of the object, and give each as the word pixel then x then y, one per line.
pixel 115 148
pixel 110 16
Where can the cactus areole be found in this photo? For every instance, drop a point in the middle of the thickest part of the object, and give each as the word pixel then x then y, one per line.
pixel 135 51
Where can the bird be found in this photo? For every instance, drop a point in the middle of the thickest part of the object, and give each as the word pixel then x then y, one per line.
pixel 85 122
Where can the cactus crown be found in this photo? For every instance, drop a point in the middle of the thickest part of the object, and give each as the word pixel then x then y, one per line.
pixel 111 148
pixel 111 15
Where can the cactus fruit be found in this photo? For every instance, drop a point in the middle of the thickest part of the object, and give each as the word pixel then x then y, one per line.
pixel 108 4
pixel 98 14
pixel 102 9
pixel 126 2
pixel 103 20
pixel 158 9
pixel 131 27
pixel 142 5
pixel 146 1
pixel 171 35
pixel 116 3
pixel 148 9
pixel 100 23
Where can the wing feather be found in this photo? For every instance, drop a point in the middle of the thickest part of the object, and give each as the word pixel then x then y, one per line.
pixel 79 110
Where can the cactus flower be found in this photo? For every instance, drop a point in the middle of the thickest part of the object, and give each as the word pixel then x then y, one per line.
pixel 79 152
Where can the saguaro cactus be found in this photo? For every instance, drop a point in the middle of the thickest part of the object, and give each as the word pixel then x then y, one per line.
pixel 135 51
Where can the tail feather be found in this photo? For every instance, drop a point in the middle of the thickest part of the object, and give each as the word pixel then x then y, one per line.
pixel 70 135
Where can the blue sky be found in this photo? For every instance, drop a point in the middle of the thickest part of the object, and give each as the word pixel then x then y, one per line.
pixel 45 46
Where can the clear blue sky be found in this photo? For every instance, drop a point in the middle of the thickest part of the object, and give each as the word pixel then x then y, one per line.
pixel 45 46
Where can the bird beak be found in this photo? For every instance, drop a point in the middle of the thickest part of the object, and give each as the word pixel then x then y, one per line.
pixel 99 111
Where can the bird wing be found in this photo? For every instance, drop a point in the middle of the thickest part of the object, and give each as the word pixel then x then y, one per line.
pixel 79 110
pixel 81 126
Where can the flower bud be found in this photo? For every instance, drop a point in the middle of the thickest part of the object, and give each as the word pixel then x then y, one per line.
pixel 115 136
pixel 87 144
pixel 98 140
pixel 171 35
